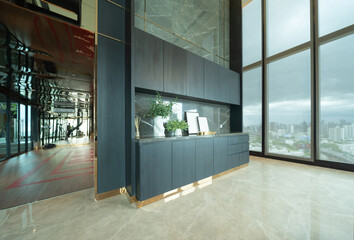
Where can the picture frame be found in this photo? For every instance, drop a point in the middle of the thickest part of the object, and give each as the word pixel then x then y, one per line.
pixel 192 120
pixel 203 124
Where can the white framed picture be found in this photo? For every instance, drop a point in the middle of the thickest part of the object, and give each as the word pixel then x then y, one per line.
pixel 203 124
pixel 192 120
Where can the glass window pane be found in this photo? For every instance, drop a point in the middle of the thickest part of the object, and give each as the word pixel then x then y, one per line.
pixel 288 24
pixel 334 15
pixel 252 107
pixel 3 119
pixel 14 128
pixel 336 73
pixel 289 116
pixel 29 139
pixel 252 32
pixel 22 128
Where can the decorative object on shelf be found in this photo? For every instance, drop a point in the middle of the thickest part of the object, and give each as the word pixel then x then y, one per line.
pixel 192 120
pixel 176 126
pixel 203 124
pixel 160 111
pixel 137 123
pixel 207 133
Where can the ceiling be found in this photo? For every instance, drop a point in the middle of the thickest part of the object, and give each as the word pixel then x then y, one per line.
pixel 45 60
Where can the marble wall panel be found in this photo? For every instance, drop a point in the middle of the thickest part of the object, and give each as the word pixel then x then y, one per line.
pixel 218 115
pixel 204 23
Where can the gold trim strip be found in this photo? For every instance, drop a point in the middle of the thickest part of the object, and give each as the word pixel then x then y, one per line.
pixel 109 194
pixel 117 5
pixel 115 39
pixel 175 34
pixel 141 204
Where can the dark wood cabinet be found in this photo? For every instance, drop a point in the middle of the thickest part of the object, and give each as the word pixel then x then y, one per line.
pixel 162 66
pixel 172 163
pixel 183 163
pixel 220 155
pixel 195 75
pixel 204 158
pixel 148 61
pixel 175 69
pixel 235 88
pixel 225 77
pixel 211 80
pixel 154 169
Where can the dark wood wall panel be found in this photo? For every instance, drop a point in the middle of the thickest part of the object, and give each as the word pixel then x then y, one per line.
pixel 148 61
pixel 195 76
pixel 110 115
pixel 174 69
pixel 111 20
pixel 211 80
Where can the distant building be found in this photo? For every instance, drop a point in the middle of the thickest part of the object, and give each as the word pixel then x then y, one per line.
pixel 336 134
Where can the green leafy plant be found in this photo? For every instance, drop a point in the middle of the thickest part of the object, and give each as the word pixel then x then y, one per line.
pixel 173 125
pixel 159 108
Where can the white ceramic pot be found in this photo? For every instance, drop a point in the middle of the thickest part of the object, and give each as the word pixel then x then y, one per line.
pixel 178 132
pixel 159 129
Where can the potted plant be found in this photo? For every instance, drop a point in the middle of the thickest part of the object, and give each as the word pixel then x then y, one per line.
pixel 160 111
pixel 176 126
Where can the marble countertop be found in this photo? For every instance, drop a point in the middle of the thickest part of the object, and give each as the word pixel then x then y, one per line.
pixel 182 138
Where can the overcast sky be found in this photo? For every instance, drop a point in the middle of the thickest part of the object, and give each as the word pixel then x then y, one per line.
pixel 289 78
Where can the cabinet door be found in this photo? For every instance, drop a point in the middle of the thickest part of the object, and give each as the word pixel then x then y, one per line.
pixel 148 61
pixel 220 155
pixel 211 82
pixel 175 76
pixel 183 163
pixel 235 86
pixel 204 158
pixel 225 77
pixel 244 158
pixel 195 71
pixel 154 169
pixel 233 161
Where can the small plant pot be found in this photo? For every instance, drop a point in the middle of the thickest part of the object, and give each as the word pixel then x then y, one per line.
pixel 169 133
pixel 178 132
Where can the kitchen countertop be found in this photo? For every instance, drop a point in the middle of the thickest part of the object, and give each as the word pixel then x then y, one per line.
pixel 182 138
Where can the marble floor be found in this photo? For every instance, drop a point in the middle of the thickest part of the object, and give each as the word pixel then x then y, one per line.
pixel 269 199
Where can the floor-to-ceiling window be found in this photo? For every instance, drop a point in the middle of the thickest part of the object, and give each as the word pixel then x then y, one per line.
pixel 14 128
pixel 336 81
pixel 252 76
pixel 3 129
pixel 307 70
pixel 288 78
pixel 22 128
pixel 29 128
pixel 289 106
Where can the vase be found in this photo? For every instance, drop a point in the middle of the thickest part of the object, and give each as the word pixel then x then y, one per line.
pixel 178 132
pixel 159 130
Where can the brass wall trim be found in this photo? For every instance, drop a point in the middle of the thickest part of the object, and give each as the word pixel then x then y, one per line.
pixel 120 6
pixel 141 204
pixel 109 194
pixel 175 34
pixel 115 39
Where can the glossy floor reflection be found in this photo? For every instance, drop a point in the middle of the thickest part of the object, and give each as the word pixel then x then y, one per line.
pixel 268 200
